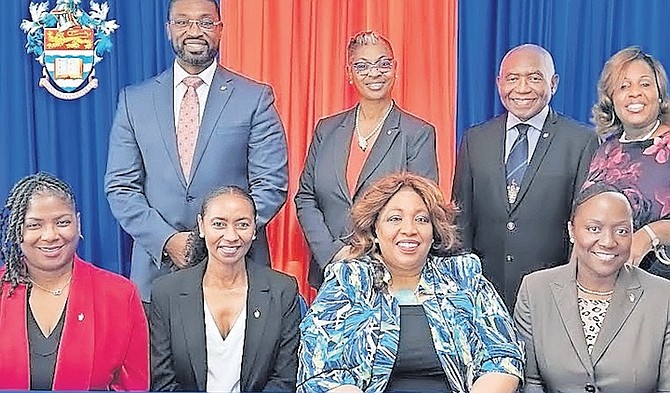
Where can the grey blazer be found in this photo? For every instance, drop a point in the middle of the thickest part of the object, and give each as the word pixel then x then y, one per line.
pixel 177 322
pixel 631 353
pixel 241 142
pixel 513 240
pixel 405 143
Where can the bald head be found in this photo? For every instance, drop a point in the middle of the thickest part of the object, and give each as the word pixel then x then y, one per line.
pixel 527 80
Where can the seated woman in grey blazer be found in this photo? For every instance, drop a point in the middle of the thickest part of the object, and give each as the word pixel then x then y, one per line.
pixel 597 323
pixel 224 324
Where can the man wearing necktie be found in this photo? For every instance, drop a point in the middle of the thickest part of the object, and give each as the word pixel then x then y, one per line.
pixel 181 134
pixel 516 174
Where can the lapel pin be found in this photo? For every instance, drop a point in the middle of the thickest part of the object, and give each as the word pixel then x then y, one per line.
pixel 545 135
pixel 257 313
pixel 80 317
pixel 388 132
pixel 222 88
pixel 631 297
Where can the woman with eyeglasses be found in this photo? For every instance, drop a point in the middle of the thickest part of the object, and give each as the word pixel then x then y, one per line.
pixel 352 149
pixel 633 115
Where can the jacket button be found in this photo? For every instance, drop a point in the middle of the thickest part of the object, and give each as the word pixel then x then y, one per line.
pixel 590 388
pixel 190 198
pixel 511 226
pixel 509 258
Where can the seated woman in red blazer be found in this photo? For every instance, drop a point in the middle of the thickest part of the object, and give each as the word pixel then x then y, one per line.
pixel 66 325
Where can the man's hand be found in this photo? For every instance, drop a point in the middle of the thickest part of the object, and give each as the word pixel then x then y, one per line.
pixel 175 247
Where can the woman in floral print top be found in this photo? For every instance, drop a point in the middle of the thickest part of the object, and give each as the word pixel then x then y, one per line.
pixel 359 335
pixel 633 115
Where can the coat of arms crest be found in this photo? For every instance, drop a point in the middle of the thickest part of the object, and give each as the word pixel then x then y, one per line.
pixel 68 42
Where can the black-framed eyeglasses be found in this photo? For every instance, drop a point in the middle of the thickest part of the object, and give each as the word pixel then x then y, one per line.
pixel 363 68
pixel 204 24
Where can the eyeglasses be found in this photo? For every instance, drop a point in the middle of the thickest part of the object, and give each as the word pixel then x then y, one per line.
pixel 204 24
pixel 363 68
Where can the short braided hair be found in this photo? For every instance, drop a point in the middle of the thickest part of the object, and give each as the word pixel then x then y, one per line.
pixel 13 217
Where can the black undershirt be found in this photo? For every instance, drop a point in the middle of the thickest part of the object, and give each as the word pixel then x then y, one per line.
pixel 43 352
pixel 417 367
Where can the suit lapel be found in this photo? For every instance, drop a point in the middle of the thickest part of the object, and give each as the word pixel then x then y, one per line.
pixel 258 302
pixel 546 136
pixel 14 338
pixel 495 144
pixel 388 134
pixel 74 362
pixel 627 293
pixel 217 98
pixel 164 110
pixel 339 151
pixel 191 309
pixel 564 292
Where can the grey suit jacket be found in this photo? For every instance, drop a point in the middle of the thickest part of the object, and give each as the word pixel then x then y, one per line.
pixel 177 322
pixel 241 142
pixel 405 143
pixel 631 353
pixel 513 240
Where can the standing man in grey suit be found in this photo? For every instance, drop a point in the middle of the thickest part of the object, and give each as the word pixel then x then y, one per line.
pixel 185 132
pixel 516 174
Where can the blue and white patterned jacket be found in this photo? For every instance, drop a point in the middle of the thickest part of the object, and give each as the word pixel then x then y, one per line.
pixel 350 334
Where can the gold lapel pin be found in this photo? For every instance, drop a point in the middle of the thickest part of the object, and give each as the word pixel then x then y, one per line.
pixel 545 135
pixel 222 88
pixel 80 317
pixel 257 313
pixel 631 297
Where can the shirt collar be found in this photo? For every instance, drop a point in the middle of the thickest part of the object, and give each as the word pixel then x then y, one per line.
pixel 207 75
pixel 537 121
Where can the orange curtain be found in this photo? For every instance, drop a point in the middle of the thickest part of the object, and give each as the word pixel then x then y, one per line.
pixel 299 47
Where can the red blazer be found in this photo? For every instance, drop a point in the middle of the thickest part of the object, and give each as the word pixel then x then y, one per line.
pixel 105 339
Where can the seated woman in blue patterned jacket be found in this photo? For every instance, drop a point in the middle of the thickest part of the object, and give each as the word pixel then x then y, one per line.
pixel 402 313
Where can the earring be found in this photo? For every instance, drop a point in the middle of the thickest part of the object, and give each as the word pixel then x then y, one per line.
pixel 376 241
pixel 202 235
pixel 81 236
pixel 253 237
pixel 660 100
pixel 572 239
pixel 351 82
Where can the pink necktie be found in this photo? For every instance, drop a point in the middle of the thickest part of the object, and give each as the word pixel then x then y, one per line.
pixel 189 123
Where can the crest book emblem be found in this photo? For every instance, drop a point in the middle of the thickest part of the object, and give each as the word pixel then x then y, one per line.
pixel 68 42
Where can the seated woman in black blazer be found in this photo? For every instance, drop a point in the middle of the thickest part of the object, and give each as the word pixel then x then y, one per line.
pixel 224 325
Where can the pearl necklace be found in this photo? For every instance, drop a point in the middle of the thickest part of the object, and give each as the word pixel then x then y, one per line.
pixel 592 292
pixel 624 138
pixel 363 140
pixel 55 292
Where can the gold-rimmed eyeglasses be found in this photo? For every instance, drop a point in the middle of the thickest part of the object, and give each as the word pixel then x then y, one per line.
pixel 363 68
pixel 204 24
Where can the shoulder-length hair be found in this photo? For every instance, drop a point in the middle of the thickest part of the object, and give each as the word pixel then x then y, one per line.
pixel 366 210
pixel 602 113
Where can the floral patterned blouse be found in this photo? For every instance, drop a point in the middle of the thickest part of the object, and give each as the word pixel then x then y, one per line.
pixel 641 170
pixel 350 334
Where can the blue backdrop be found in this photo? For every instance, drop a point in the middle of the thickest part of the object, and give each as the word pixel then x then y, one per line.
pixel 69 138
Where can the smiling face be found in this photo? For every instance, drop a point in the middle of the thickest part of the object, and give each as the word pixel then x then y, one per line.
pixel 635 95
pixel 195 48
pixel 405 233
pixel 526 81
pixel 602 230
pixel 228 226
pixel 50 233
pixel 375 83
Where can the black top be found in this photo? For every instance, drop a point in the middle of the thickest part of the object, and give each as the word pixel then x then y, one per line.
pixel 417 367
pixel 43 351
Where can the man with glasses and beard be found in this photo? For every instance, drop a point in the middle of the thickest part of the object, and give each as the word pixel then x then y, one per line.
pixel 177 136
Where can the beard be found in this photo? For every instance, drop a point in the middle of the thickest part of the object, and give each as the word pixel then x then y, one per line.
pixel 197 59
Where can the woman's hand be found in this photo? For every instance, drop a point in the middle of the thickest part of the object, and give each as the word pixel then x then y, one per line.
pixel 640 247
pixel 495 383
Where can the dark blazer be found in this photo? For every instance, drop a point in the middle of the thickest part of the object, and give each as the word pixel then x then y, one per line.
pixel 530 234
pixel 241 142
pixel 631 353
pixel 405 143
pixel 105 339
pixel 177 322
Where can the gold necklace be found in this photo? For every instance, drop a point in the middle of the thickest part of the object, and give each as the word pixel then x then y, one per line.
pixel 363 140
pixel 55 292
pixel 592 292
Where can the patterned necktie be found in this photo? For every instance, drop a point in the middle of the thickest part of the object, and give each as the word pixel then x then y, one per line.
pixel 517 162
pixel 188 124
